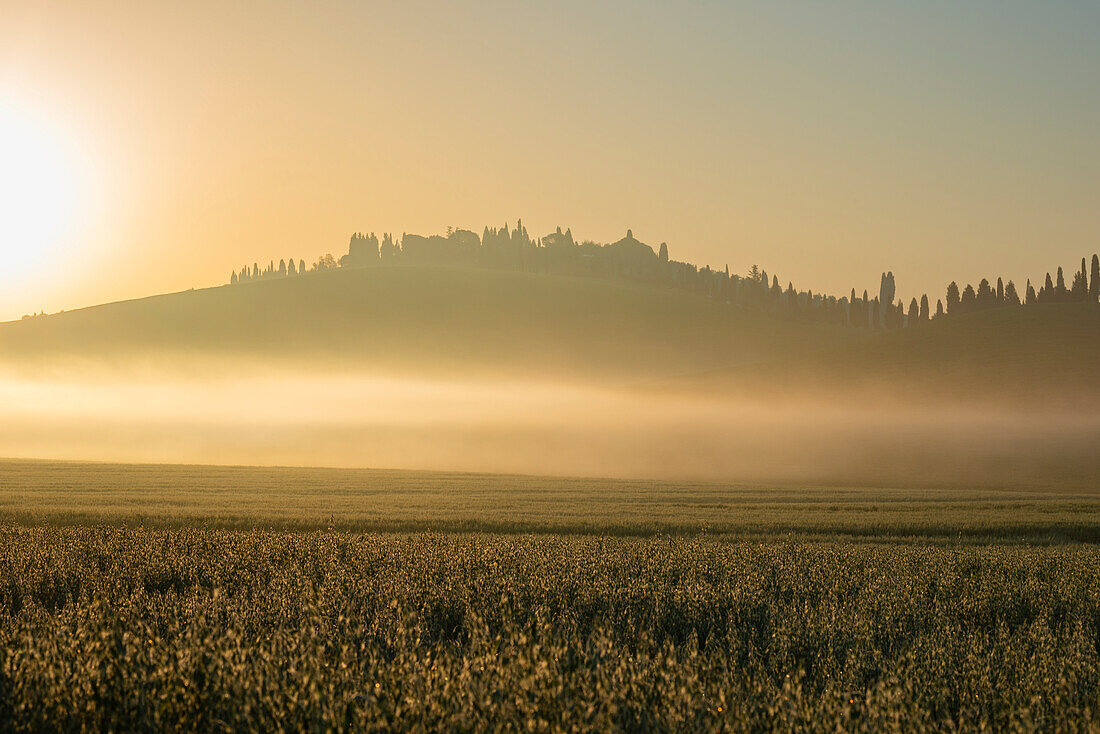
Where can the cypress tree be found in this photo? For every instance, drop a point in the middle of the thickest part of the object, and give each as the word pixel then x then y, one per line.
pixel 924 315
pixel 886 294
pixel 1094 283
pixel 985 295
pixel 1012 298
pixel 1029 295
pixel 1080 289
pixel 953 300
pixel 969 299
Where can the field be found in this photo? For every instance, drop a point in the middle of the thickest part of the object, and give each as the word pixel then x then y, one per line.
pixel 370 500
pixel 266 631
pixel 222 598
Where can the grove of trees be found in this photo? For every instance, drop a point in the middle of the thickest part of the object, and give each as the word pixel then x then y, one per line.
pixel 631 260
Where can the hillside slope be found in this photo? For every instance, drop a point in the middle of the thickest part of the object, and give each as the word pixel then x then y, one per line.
pixel 422 319
pixel 1048 352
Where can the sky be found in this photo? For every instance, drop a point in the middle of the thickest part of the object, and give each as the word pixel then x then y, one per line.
pixel 155 146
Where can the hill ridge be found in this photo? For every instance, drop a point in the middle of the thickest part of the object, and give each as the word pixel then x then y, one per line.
pixel 404 316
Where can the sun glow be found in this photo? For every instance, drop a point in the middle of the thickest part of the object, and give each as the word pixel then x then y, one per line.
pixel 40 192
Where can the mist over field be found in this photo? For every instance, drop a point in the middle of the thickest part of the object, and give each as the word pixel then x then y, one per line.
pixel 279 417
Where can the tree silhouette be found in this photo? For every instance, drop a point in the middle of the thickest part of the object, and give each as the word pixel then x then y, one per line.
pixel 1079 291
pixel 985 296
pixel 969 300
pixel 953 300
pixel 512 248
pixel 885 293
pixel 1094 283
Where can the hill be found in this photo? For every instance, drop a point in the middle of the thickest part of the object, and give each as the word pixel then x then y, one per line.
pixel 1042 354
pixel 423 320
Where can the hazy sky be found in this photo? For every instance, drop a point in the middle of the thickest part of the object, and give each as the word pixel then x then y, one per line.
pixel 826 141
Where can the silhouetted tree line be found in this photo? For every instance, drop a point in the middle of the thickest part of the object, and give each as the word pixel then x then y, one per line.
pixel 285 269
pixel 1084 289
pixel 630 260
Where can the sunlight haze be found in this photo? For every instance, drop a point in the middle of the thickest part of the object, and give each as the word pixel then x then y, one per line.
pixel 827 145
pixel 485 366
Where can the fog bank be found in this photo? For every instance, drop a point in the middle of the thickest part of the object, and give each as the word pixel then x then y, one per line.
pixel 280 418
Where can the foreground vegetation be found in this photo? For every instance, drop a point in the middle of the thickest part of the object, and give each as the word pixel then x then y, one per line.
pixel 192 629
pixel 250 599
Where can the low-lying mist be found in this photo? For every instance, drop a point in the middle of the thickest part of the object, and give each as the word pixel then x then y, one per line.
pixel 543 427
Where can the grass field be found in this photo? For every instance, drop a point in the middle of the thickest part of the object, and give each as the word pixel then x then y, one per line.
pixel 272 599
pixel 185 629
pixel 63 493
